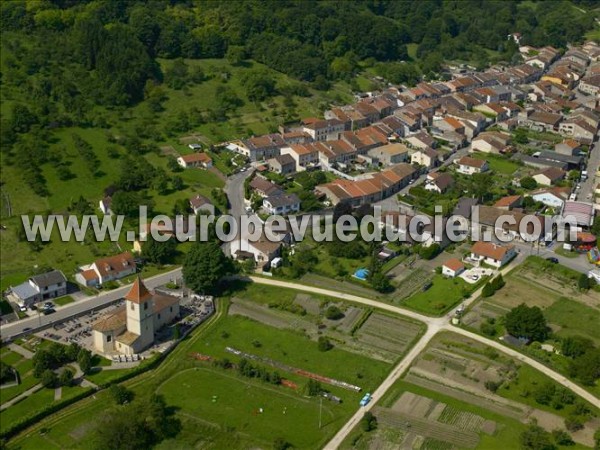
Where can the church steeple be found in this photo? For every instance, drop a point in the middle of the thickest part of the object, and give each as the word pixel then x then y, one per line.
pixel 138 293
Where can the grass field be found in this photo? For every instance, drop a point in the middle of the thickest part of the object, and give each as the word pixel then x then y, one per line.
pixel 574 318
pixel 441 296
pixel 235 404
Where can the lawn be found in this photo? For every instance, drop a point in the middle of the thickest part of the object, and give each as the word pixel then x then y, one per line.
pixel 498 164
pixel 574 318
pixel 441 296
pixel 62 301
pixel 236 404
pixel 292 348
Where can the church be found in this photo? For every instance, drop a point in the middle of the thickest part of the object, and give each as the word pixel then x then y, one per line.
pixel 129 329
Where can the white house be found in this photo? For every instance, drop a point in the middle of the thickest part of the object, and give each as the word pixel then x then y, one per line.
pixel 106 269
pixel 261 250
pixel 199 203
pixel 438 182
pixel 282 204
pixel 468 166
pixel 201 160
pixel 40 287
pixel 452 268
pixel 492 254
pixel 553 197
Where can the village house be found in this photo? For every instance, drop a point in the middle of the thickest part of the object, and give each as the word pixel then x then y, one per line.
pixel 492 254
pixel 452 268
pixel 491 142
pixel 281 204
pixel 506 223
pixel 261 250
pixel 509 202
pixel 590 85
pixel 568 147
pixel 374 187
pixel 439 182
pixel 259 148
pixel 389 154
pixel 264 187
pixel 305 155
pixel 323 129
pixel 554 197
pixel 468 166
pixel 37 288
pixel 539 120
pixel 421 140
pixel 578 129
pixel 200 204
pixel 282 164
pixel 106 269
pixel 549 176
pixel 201 160
pixel 426 157
pixel 582 212
pixel 130 329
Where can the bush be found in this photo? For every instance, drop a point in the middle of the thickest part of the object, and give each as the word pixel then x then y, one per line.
pixel 120 394
pixel 49 379
pixel 66 377
pixel 492 386
pixel 324 344
pixel 488 290
pixel 368 422
pixel 584 282
pixel 573 423
pixel 334 313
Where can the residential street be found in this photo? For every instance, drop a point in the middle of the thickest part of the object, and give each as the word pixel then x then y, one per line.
pixel 81 306
pixel 586 193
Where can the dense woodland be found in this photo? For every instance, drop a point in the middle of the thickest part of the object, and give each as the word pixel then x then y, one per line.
pixel 74 63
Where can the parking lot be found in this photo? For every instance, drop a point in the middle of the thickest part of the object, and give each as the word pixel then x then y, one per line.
pixel 475 274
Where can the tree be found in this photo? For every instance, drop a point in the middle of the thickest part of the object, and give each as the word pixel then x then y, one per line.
pixel 141 424
pixel 120 394
pixel 259 85
pixel 177 183
pixel 159 252
pixel 66 377
pixel 536 438
pixel 49 379
pixel 573 423
pixel 527 322
pixel 235 54
pixel 575 346
pixel 528 183
pixel 313 388
pixel 323 344
pixel 334 313
pixel 368 422
pixel 587 366
pixel 488 290
pixel 498 282
pixel 204 267
pixel 84 359
pixel 583 283
pixel 430 252
pixel 561 437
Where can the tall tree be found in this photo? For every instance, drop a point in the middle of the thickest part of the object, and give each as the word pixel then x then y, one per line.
pixel 204 267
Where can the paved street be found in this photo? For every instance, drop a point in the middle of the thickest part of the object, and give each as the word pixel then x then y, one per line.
pixel 586 192
pixel 81 306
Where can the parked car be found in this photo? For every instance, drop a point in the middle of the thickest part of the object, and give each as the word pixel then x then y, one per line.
pixel 552 259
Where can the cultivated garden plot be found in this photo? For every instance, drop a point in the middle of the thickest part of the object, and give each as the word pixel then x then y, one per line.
pixel 469 371
pixel 357 330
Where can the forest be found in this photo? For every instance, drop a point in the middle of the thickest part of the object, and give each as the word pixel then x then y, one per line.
pixel 87 63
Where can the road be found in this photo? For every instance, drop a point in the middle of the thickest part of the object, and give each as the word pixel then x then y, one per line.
pixel 234 188
pixel 81 306
pixel 586 193
pixel 434 326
